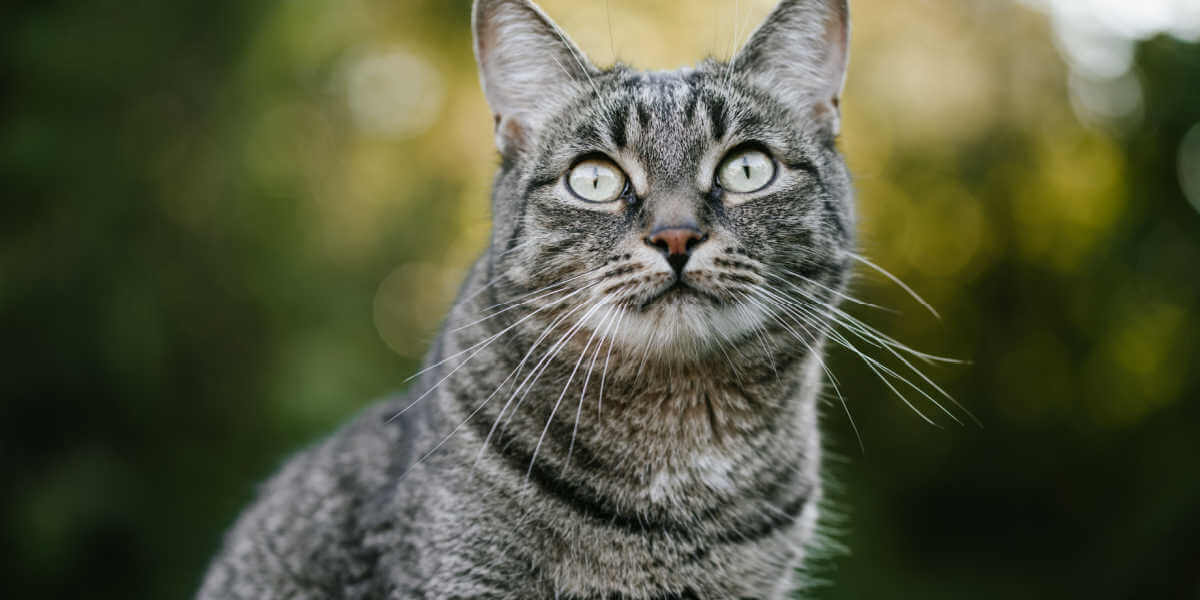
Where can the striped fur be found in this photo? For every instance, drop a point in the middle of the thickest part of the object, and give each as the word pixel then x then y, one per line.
pixel 582 429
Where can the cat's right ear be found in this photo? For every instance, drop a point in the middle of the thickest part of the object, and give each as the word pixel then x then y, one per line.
pixel 799 54
pixel 526 64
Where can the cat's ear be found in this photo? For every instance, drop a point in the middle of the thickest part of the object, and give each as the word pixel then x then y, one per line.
pixel 800 53
pixel 526 63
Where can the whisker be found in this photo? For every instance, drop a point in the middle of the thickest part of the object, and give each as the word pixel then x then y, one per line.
pixel 547 358
pixel 721 339
pixel 892 342
pixel 839 294
pixel 645 354
pixel 607 358
pixel 897 281
pixel 733 40
pixel 759 332
pixel 478 408
pixel 481 345
pixel 562 343
pixel 612 45
pixel 578 60
pixel 524 299
pixel 860 330
pixel 791 307
pixel 583 393
pixel 878 367
pixel 880 337
pixel 545 333
pixel 566 386
pixel 824 367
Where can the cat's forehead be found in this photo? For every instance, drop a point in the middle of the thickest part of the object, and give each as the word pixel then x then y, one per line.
pixel 659 80
pixel 668 119
pixel 666 87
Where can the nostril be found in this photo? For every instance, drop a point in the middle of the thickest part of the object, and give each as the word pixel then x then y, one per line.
pixel 659 243
pixel 673 241
pixel 676 244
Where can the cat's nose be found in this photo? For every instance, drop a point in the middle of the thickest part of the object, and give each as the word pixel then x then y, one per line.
pixel 676 244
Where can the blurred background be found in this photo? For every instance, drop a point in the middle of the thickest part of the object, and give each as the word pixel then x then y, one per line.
pixel 227 225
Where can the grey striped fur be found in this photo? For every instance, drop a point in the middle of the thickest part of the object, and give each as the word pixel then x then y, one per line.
pixel 580 433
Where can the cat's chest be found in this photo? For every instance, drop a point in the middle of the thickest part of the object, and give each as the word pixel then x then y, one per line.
pixel 583 563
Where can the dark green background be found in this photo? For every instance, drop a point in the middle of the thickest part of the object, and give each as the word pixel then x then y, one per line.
pixel 174 320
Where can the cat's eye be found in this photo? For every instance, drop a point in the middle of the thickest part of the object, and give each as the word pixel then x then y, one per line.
pixel 746 171
pixel 596 180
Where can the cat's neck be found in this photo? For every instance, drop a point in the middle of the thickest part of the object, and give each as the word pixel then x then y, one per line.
pixel 677 435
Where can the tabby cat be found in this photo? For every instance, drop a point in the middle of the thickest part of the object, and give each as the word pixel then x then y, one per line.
pixel 622 402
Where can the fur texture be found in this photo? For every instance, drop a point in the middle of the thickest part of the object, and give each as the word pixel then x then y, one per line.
pixel 597 421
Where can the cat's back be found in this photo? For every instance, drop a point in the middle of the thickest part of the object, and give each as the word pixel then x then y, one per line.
pixel 319 526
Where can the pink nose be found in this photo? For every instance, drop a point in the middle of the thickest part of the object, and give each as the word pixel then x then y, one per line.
pixel 676 244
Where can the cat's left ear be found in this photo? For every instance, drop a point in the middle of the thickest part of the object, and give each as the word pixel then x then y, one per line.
pixel 526 65
pixel 800 53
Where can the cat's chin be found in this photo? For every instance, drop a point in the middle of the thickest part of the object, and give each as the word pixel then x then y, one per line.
pixel 676 296
pixel 684 323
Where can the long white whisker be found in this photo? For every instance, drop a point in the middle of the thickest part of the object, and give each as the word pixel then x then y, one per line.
pixel 566 386
pixel 720 339
pixel 897 281
pixel 838 293
pixel 733 40
pixel 612 44
pixel 607 322
pixel 553 411
pixel 578 61
pixel 824 367
pixel 524 360
pixel 892 342
pixel 864 332
pixel 547 358
pixel 479 347
pixel 645 354
pixel 881 338
pixel 525 299
pixel 878 367
pixel 477 409
pixel 873 337
pixel 607 358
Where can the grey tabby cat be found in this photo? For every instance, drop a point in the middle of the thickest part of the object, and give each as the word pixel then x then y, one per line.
pixel 622 401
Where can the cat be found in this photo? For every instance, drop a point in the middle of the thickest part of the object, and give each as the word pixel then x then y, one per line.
pixel 621 403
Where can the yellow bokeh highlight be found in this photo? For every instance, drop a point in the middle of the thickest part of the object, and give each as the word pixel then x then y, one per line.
pixel 1136 368
pixel 1071 201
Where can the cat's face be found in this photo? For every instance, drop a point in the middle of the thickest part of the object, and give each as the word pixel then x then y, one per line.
pixel 674 211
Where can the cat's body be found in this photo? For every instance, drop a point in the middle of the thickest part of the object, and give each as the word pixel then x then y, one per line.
pixel 622 403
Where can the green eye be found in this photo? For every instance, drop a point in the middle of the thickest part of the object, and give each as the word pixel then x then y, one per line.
pixel 596 180
pixel 746 171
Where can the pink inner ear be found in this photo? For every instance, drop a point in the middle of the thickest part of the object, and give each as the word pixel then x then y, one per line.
pixel 510 134
pixel 837 35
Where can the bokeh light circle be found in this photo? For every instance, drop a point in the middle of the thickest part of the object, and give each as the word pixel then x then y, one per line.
pixel 1189 166
pixel 393 92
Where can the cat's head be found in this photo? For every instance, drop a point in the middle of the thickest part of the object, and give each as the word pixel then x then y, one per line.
pixel 702 202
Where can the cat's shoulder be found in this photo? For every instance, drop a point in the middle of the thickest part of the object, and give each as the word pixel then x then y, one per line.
pixel 371 450
pixel 302 532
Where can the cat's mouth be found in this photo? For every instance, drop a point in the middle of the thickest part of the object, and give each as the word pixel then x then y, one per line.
pixel 679 292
